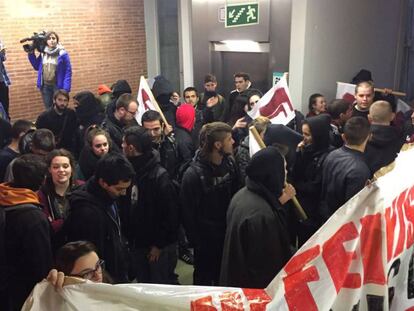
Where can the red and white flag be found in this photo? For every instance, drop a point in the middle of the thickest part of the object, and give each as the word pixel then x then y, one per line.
pixel 276 104
pixel 146 100
pixel 345 91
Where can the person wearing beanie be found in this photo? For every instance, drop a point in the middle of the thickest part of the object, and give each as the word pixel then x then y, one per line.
pixel 118 88
pixel 105 95
pixel 185 119
pixel 257 244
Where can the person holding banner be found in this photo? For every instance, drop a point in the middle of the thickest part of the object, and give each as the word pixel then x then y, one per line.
pixel 345 171
pixel 163 140
pixel 257 243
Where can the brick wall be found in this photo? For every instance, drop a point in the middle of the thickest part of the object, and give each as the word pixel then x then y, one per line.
pixel 105 40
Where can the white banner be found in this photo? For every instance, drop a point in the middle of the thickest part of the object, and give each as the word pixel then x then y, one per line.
pixel 360 259
pixel 345 91
pixel 276 104
pixel 145 99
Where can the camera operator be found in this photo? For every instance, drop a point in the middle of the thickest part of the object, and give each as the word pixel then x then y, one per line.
pixel 53 67
pixel 4 81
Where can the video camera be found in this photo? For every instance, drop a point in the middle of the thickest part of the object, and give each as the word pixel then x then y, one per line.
pixel 39 42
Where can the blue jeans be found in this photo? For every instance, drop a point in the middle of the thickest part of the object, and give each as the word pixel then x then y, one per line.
pixel 47 94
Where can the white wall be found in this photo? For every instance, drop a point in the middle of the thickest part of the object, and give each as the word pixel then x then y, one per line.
pixel 331 40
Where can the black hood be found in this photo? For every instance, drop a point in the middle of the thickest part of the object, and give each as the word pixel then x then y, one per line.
pixel 384 135
pixel 161 86
pixel 120 87
pixel 89 106
pixel 144 163
pixel 281 134
pixel 267 168
pixel 91 192
pixel 320 127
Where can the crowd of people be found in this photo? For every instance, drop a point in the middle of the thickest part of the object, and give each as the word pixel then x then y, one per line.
pixel 90 193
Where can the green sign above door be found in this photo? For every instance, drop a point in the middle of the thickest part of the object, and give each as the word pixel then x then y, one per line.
pixel 242 14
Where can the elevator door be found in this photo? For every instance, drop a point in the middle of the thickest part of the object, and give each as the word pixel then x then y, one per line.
pixel 225 64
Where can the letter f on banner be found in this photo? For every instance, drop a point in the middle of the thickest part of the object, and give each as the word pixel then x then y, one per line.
pixel 276 104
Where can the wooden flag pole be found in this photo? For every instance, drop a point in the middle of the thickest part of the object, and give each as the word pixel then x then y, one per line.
pixel 389 91
pixel 155 103
pixel 384 90
pixel 299 209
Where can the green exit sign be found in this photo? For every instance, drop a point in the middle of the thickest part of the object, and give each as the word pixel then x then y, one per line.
pixel 242 14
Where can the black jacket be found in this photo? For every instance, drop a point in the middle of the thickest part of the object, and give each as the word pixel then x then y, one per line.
pixel 168 151
pixel 93 216
pixel 28 250
pixel 153 215
pixel 256 246
pixel 114 127
pixel 205 194
pixel 185 144
pixel 307 171
pixel 63 126
pixel 344 174
pixel 382 148
pixel 242 157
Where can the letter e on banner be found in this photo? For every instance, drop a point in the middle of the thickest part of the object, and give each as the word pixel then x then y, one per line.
pixel 297 293
pixel 338 260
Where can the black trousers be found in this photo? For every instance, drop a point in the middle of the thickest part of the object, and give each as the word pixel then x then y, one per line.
pixel 207 262
pixel 4 97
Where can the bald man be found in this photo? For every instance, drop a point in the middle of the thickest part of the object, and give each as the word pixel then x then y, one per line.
pixel 386 140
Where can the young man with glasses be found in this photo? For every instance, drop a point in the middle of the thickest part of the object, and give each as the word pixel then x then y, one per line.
pixel 126 108
pixel 94 216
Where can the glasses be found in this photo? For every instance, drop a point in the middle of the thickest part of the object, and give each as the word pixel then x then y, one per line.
pixel 133 113
pixel 89 274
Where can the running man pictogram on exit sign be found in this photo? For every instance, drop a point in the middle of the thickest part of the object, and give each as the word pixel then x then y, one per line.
pixel 242 14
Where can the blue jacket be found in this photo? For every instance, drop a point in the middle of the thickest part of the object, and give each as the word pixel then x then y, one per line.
pixel 63 70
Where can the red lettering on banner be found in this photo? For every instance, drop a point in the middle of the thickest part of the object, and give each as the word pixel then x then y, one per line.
pixel 258 298
pixel 409 213
pixel 338 260
pixel 203 304
pixel 390 222
pixel 297 293
pixel 231 301
pixel 398 206
pixel 371 249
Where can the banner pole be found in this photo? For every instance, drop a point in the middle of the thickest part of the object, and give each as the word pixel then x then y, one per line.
pixel 299 209
pixel 155 103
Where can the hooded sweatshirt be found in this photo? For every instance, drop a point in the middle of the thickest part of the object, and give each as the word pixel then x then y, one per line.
pixel 256 245
pixel 10 196
pixel 185 123
pixel 27 243
pixel 89 110
pixel 382 148
pixel 185 117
